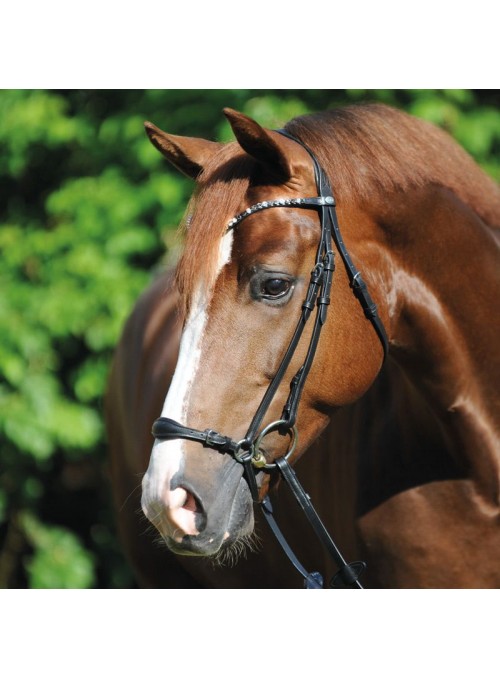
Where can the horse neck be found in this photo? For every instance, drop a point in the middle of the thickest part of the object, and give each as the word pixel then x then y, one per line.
pixel 443 278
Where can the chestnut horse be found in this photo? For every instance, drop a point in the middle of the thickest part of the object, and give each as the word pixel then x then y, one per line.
pixel 403 455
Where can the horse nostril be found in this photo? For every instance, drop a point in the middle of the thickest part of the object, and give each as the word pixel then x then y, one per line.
pixel 191 503
pixel 183 513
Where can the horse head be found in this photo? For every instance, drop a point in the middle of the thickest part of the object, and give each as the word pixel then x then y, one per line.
pixel 244 275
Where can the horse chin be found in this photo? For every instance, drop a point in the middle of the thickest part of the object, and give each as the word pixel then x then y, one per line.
pixel 225 553
pixel 194 547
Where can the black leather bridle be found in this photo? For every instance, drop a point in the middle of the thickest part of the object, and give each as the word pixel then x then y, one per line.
pixel 247 451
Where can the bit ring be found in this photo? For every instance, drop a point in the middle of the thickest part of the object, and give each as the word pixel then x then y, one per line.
pixel 274 426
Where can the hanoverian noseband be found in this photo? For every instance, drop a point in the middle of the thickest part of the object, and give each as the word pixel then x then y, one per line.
pixel 247 451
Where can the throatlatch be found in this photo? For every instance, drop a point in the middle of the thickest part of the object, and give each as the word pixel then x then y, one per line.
pixel 247 451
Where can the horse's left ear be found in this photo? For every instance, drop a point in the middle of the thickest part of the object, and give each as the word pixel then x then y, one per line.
pixel 188 154
pixel 260 143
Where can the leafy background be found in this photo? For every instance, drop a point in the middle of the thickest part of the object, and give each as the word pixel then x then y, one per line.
pixel 88 211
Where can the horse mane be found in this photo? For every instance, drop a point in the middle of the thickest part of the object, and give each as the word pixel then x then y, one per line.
pixel 368 150
pixel 371 150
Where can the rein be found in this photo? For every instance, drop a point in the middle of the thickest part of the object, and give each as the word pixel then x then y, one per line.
pixel 247 451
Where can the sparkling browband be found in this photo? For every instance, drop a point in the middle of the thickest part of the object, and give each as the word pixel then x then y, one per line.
pixel 282 202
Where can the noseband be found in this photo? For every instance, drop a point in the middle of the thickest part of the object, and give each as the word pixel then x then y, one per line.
pixel 248 450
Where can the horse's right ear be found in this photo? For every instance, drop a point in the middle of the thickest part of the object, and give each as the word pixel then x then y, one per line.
pixel 187 154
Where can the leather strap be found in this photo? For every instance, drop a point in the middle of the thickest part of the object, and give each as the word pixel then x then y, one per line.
pixel 355 278
pixel 168 429
pixel 280 373
pixel 312 580
pixel 348 574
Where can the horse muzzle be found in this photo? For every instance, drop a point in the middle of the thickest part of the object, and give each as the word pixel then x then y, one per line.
pixel 197 513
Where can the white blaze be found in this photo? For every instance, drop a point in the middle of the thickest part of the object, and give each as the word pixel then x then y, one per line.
pixel 166 457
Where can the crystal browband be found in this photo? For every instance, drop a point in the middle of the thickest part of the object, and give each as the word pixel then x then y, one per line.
pixel 281 202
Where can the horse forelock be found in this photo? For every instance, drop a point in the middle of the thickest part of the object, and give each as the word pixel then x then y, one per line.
pixel 220 190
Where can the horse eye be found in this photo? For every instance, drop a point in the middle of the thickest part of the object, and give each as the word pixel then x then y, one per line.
pixel 271 287
pixel 275 288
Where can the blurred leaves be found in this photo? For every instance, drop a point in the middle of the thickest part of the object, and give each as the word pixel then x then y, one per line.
pixel 87 208
pixel 477 128
pixel 59 559
pixel 31 119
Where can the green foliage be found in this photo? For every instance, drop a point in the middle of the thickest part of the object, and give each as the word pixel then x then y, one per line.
pixel 87 207
pixel 59 559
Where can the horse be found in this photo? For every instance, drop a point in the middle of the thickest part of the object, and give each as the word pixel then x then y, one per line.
pixel 396 445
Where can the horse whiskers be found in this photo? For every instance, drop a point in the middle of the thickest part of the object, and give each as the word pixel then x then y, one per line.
pixel 150 528
pixel 137 487
pixel 151 531
pixel 228 556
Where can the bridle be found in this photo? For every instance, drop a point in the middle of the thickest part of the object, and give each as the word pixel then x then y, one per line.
pixel 247 451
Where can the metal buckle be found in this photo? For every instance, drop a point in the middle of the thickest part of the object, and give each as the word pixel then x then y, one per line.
pixel 243 455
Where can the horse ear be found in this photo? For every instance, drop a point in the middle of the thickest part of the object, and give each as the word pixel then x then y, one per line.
pixel 187 154
pixel 260 143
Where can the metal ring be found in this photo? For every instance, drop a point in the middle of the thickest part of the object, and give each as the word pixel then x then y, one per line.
pixel 247 454
pixel 292 432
